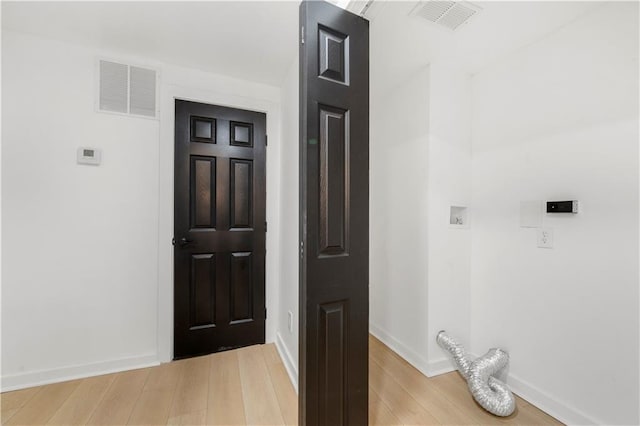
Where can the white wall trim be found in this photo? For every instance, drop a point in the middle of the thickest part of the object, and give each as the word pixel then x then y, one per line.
pixel 549 404
pixel 170 92
pixel 287 360
pixel 43 377
pixel 426 367
pixel 440 366
pixel 401 349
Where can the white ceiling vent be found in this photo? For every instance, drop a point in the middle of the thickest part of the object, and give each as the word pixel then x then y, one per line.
pixel 449 14
pixel 127 89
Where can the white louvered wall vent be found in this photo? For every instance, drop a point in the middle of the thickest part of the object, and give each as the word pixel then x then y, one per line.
pixel 127 89
pixel 448 14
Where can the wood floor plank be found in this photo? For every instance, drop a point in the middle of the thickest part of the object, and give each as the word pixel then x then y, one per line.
pixel 193 387
pixel 5 415
pixel 118 402
pixel 401 404
pixel 79 407
pixel 379 412
pixel 534 416
pixel 285 392
pixel 249 386
pixel 11 402
pixel 225 405
pixel 39 409
pixel 196 418
pixel 417 385
pixel 260 401
pixel 155 401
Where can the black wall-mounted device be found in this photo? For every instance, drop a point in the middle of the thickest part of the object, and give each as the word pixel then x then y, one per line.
pixel 562 206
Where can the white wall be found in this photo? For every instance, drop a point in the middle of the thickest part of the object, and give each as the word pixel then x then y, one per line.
pixel 558 120
pixel 80 269
pixel 86 282
pixel 420 165
pixel 287 341
pixel 398 228
pixel 448 183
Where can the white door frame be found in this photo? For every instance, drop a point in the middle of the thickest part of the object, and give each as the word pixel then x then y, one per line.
pixel 269 106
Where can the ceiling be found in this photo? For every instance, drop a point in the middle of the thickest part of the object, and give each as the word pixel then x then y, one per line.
pixel 253 40
pixel 402 43
pixel 257 40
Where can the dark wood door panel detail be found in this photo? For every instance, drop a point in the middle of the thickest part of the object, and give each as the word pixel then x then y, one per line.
pixel 334 216
pixel 241 134
pixel 241 306
pixel 334 181
pixel 333 48
pixel 332 353
pixel 202 297
pixel 203 129
pixel 203 192
pixel 241 172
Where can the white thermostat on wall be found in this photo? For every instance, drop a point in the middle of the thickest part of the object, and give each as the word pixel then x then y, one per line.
pixel 91 156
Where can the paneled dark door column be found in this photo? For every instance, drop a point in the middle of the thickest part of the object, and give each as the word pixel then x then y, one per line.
pixel 334 216
pixel 220 193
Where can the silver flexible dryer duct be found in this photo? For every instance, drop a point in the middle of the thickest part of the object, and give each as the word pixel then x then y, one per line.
pixel 492 394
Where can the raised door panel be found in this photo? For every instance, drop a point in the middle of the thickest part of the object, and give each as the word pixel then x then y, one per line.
pixel 241 172
pixel 241 134
pixel 202 295
pixel 333 54
pixel 332 358
pixel 334 181
pixel 203 129
pixel 202 192
pixel 241 303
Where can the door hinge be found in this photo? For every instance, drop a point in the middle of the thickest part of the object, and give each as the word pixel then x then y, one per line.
pixel 302 35
pixel 265 226
pixel 266 140
pixel 265 313
pixel 173 241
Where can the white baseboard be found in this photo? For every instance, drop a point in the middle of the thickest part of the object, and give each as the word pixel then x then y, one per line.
pixel 549 404
pixel 400 348
pixel 287 360
pixel 440 366
pixel 44 377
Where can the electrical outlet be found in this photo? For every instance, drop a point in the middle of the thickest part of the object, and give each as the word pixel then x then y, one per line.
pixel 545 237
pixel 290 321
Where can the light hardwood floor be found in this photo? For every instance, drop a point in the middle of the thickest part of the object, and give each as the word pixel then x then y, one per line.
pixel 247 386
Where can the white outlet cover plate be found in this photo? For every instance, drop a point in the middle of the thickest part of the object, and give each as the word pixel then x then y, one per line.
pixel 545 237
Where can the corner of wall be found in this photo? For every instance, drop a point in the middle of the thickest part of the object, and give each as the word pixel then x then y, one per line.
pixel 408 354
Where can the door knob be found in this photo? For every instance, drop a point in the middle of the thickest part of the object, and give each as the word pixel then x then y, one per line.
pixel 185 241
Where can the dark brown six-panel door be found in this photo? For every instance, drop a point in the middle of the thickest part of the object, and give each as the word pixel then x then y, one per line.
pixel 219 228
pixel 334 216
